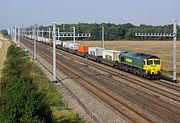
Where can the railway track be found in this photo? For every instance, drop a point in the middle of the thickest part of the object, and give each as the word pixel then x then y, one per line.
pixel 152 103
pixel 103 95
pixel 140 99
pixel 168 85
pixel 144 83
pixel 113 71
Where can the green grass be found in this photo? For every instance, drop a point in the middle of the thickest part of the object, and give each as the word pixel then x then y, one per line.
pixel 25 67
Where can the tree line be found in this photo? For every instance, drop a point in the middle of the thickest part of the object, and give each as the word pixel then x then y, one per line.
pixel 116 31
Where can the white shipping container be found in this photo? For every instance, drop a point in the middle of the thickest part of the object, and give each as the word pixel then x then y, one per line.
pixel 65 44
pixel 96 51
pixel 43 39
pixel 73 46
pixel 111 55
pixel 58 42
pixel 47 40
pixel 32 36
pixel 29 36
pixel 39 38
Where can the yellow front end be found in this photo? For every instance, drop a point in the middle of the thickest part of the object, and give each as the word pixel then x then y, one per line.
pixel 152 66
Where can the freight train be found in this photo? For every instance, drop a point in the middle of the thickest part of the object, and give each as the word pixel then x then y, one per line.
pixel 144 65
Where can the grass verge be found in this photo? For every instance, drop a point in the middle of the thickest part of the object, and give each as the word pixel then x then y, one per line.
pixel 20 76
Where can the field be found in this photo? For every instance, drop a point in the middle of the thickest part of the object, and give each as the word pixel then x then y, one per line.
pixel 4 44
pixel 163 49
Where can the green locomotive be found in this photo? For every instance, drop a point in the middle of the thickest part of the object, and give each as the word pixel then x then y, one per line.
pixel 145 65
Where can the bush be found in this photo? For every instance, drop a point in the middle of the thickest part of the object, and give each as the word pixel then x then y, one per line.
pixel 13 63
pixel 5 32
pixel 23 103
pixel 27 95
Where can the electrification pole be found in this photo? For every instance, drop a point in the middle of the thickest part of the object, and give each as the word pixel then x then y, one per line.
pixel 54 52
pixel 174 51
pixel 49 33
pixel 35 37
pixel 42 33
pixel 102 44
pixel 15 34
pixel 18 35
pixel 58 33
pixel 37 32
pixel 74 34
pixel 11 33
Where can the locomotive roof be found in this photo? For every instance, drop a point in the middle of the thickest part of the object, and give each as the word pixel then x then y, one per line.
pixel 140 55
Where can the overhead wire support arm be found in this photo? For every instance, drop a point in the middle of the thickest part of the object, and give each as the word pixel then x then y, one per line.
pixel 78 35
pixel 154 34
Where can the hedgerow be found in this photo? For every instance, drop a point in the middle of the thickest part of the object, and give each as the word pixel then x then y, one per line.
pixel 27 95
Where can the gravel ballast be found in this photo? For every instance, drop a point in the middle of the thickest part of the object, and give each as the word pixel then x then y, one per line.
pixel 80 100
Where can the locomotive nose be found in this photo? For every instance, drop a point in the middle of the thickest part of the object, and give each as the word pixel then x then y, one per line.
pixel 154 70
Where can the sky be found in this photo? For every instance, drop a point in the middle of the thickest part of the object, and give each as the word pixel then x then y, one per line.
pixel 27 12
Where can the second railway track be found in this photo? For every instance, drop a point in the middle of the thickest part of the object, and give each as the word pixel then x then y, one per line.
pixel 172 116
pixel 143 82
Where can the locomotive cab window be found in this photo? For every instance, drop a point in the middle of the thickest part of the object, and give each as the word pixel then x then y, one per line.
pixel 157 62
pixel 144 62
pixel 149 62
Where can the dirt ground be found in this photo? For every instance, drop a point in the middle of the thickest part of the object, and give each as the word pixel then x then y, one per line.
pixel 162 49
pixel 4 44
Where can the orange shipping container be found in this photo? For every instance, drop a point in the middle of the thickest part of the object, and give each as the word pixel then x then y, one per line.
pixel 83 48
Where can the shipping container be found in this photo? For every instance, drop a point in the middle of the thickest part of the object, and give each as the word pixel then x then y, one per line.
pixel 50 42
pixel 65 46
pixel 47 40
pixel 33 37
pixel 43 39
pixel 82 50
pixel 96 51
pixel 29 36
pixel 73 46
pixel 59 44
pixel 110 57
pixel 39 38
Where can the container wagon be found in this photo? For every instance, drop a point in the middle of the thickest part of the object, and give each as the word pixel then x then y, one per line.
pixel 82 50
pixel 73 47
pixel 50 43
pixel 110 57
pixel 95 53
pixel 46 41
pixel 59 44
pixel 65 46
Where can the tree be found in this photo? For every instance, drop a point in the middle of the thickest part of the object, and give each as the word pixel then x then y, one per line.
pixel 23 103
pixel 5 32
pixel 117 31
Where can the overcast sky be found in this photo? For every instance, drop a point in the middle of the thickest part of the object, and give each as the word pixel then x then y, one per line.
pixel 26 12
